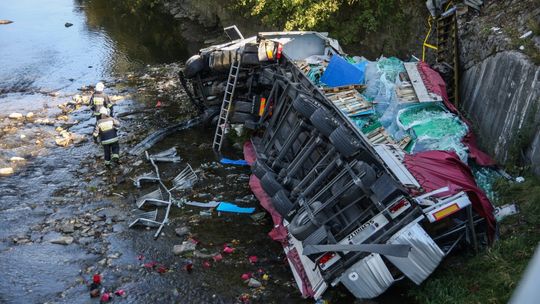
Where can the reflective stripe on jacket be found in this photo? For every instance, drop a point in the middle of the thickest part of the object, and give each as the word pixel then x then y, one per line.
pixel 99 100
pixel 106 130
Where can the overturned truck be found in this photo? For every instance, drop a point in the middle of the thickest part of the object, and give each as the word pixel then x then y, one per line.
pixel 356 197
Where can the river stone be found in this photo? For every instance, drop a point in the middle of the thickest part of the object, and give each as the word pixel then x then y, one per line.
pixel 29 115
pixel 68 228
pixel 182 231
pixel 15 115
pixel 184 247
pixel 6 171
pixel 16 159
pixel 86 240
pixel 63 240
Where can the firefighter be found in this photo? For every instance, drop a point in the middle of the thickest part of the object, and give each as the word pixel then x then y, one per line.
pixel 100 99
pixel 106 130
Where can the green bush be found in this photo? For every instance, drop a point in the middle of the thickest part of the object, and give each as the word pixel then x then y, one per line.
pixel 346 20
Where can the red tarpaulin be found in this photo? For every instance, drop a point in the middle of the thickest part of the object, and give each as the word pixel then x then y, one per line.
pixel 437 169
pixel 435 84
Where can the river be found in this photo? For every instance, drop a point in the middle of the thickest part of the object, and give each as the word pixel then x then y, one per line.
pixel 58 192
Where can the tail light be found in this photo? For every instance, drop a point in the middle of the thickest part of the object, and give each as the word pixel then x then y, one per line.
pixel 398 208
pixel 327 260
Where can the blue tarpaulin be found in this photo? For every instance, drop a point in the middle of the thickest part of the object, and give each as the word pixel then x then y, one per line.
pixel 230 207
pixel 239 162
pixel 340 72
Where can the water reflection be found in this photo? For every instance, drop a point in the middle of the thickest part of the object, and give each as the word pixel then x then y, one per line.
pixel 38 53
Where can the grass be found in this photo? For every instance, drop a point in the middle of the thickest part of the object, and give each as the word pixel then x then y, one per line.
pixel 492 275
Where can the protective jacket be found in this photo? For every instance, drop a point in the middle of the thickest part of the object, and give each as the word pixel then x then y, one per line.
pixel 98 100
pixel 106 129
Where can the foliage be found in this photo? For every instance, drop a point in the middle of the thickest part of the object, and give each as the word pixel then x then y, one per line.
pixel 492 275
pixel 360 16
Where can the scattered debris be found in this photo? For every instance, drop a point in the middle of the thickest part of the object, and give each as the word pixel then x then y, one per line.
pixel 227 249
pixel 505 210
pixel 185 179
pixel 152 139
pixel 239 162
pixel 188 267
pixel 182 231
pixel 205 213
pixel 105 297
pixel 253 283
pixel 257 217
pixel 230 207
pixel 526 35
pixel 253 259
pixel 3 21
pixel 218 257
pixel 186 246
pixel 168 155
pixel 520 179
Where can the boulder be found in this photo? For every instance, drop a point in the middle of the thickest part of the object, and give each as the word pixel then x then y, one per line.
pixel 63 240
pixel 6 171
pixel 15 115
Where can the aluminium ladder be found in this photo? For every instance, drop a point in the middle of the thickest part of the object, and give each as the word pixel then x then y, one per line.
pixel 226 105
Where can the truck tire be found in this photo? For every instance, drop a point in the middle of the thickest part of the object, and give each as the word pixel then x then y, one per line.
pixel 303 106
pixel 301 226
pixel 240 118
pixel 270 184
pixel 322 120
pixel 282 203
pixel 250 59
pixel 344 142
pixel 195 65
pixel 260 169
pixel 243 106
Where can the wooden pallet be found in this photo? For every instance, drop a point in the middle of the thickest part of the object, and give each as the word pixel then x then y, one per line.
pixel 357 87
pixel 380 136
pixel 351 102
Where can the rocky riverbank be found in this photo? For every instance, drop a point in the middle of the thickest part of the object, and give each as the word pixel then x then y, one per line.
pixel 66 216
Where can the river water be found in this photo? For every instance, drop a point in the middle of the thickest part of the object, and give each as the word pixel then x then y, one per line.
pixel 58 192
pixel 42 64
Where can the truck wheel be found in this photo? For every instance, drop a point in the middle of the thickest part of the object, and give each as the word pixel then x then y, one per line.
pixel 301 226
pixel 321 119
pixel 243 106
pixel 195 65
pixel 303 106
pixel 281 202
pixel 260 169
pixel 239 117
pixel 270 184
pixel 344 142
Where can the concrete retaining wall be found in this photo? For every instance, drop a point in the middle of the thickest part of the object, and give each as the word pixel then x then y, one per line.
pixel 501 95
